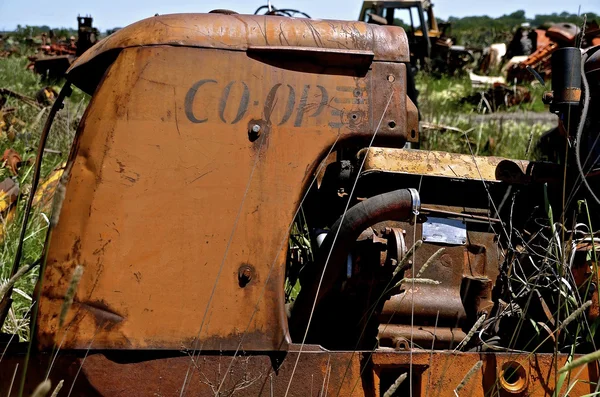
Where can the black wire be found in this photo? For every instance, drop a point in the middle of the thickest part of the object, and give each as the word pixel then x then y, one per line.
pixel 584 112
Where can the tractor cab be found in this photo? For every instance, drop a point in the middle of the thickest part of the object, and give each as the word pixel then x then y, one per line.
pixel 415 16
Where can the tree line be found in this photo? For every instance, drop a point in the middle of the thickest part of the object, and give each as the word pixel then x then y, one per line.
pixel 481 31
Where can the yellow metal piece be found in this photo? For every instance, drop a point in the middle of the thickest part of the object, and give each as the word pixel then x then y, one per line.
pixel 443 164
pixel 42 200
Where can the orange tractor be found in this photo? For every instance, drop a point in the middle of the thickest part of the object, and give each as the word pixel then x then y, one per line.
pixel 238 217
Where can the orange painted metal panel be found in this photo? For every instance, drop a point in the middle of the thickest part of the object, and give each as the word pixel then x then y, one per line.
pixel 171 192
pixel 240 33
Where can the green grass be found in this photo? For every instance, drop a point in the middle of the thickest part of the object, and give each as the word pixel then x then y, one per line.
pixel 27 129
pixel 507 134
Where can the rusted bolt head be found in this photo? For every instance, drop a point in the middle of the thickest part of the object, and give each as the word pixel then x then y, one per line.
pixel 244 275
pixel 391 78
pixel 255 129
pixel 548 97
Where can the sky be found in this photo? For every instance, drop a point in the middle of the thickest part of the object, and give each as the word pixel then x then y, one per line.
pixel 119 13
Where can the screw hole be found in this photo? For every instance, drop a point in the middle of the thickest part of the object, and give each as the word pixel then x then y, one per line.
pixel 513 377
pixel 354 116
pixel 392 124
pixel 413 133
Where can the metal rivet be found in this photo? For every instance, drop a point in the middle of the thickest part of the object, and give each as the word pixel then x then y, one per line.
pixel 391 78
pixel 256 128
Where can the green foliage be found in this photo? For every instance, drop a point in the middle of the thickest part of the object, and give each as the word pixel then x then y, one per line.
pixel 33 31
pixel 481 31
pixel 508 134
pixel 14 76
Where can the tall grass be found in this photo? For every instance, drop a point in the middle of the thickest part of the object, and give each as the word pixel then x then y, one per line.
pixel 22 134
pixel 511 133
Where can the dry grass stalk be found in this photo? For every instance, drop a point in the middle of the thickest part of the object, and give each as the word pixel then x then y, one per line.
pixel 427 281
pixel 575 314
pixel 431 259
pixel 42 389
pixel 472 332
pixel 10 283
pixel 408 255
pixel 12 381
pixel 588 358
pixel 57 389
pixel 468 377
pixel 70 294
pixel 390 392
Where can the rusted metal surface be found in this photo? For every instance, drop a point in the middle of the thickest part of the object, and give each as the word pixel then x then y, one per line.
pixel 450 165
pixel 243 32
pixel 11 159
pixel 9 191
pixel 465 276
pixel 399 336
pixel 148 283
pixel 44 194
pixel 323 373
pixel 585 273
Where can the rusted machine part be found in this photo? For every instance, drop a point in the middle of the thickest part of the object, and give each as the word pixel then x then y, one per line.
pixel 357 374
pixel 396 243
pixel 52 66
pixel 451 165
pixel 592 66
pixel 542 39
pixel 304 93
pixel 11 159
pixel 9 192
pixel 44 195
pixel 428 300
pixel 586 273
pixel 465 273
pixel 424 337
pixel 563 33
pixel 400 205
pixel 513 378
pixel 539 61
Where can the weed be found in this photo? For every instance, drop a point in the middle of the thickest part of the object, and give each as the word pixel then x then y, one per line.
pixel 27 123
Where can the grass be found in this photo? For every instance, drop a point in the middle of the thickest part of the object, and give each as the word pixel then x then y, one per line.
pixel 509 133
pixel 22 134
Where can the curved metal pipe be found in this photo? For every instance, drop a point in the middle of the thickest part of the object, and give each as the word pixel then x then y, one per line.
pixel 397 205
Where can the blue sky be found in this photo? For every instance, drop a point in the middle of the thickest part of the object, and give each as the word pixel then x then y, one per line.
pixel 112 13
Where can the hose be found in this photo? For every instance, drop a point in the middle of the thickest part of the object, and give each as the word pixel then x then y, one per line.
pixel 578 137
pixel 398 205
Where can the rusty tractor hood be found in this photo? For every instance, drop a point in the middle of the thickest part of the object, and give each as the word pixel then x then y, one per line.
pixel 202 135
pixel 241 33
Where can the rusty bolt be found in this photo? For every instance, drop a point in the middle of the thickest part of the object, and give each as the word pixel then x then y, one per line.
pixel 244 275
pixel 254 130
pixel 548 97
pixel 386 230
pixel 391 78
